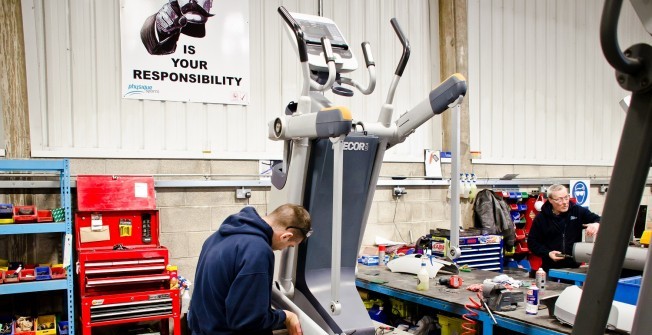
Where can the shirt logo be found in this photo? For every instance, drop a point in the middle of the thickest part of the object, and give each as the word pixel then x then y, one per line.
pixel 573 217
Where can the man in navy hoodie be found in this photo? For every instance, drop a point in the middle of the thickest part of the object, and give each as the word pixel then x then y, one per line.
pixel 557 227
pixel 233 283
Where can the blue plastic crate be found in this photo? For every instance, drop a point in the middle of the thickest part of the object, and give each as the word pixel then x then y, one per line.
pixel 627 290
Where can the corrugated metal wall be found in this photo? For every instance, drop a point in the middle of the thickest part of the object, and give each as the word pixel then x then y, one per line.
pixel 73 64
pixel 540 90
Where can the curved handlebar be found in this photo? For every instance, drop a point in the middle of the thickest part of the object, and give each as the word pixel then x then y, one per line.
pixel 406 47
pixel 609 39
pixel 366 51
pixel 328 50
pixel 298 32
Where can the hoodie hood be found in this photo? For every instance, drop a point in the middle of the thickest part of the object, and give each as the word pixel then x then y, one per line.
pixel 247 221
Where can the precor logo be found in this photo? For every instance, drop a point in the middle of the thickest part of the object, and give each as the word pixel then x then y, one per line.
pixel 356 146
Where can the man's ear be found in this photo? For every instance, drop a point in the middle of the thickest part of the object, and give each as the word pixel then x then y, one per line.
pixel 286 236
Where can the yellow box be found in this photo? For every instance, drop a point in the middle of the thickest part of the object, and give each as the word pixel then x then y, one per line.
pixel 46 325
pixel 399 307
pixel 371 302
pixel 645 238
pixel 450 325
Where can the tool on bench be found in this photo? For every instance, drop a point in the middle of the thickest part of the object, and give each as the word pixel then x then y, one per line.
pixel 499 298
pixel 452 281
pixel 559 254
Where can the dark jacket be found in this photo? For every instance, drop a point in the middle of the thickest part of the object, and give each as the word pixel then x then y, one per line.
pixel 558 232
pixel 233 283
pixel 491 213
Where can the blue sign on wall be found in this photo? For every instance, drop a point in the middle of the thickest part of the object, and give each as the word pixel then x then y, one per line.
pixel 580 191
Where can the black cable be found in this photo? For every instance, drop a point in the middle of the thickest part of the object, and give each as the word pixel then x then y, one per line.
pixel 394 221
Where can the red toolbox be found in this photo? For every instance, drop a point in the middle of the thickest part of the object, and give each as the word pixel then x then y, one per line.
pixel 121 266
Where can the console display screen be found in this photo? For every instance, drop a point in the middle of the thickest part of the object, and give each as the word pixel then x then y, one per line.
pixel 314 31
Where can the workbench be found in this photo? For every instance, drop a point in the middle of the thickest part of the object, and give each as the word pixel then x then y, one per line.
pixel 403 286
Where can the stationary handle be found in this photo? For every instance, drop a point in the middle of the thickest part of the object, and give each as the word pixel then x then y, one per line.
pixel 298 32
pixel 609 39
pixel 406 47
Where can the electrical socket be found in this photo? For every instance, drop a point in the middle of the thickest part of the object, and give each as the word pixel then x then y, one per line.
pixel 399 191
pixel 604 189
pixel 243 193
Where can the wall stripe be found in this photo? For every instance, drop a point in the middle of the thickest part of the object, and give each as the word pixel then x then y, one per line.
pixel 541 91
pixel 76 109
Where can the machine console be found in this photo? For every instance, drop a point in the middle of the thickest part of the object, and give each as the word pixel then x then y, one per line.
pixel 314 28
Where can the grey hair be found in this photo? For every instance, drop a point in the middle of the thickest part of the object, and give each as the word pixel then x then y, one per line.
pixel 555 188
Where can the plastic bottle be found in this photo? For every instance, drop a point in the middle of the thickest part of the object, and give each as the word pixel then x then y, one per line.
pixel 474 187
pixel 174 280
pixel 423 277
pixel 381 255
pixel 541 279
pixel 185 301
pixel 462 186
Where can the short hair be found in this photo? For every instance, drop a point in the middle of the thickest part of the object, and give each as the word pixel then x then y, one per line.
pixel 555 188
pixel 291 215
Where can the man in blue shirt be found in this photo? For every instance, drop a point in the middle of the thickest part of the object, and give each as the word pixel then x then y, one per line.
pixel 233 283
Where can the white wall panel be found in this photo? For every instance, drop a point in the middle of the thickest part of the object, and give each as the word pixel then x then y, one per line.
pixel 541 91
pixel 76 110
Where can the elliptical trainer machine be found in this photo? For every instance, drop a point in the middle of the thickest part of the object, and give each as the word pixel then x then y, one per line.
pixel 324 149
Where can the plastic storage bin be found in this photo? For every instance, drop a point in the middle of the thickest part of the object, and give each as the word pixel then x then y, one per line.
pixel 44 215
pixel 43 273
pixel 63 327
pixel 11 276
pixel 46 325
pixel 627 290
pixel 450 325
pixel 27 275
pixel 6 213
pixel 25 214
pixel 58 273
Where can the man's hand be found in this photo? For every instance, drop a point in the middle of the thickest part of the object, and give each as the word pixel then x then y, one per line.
pixel 555 255
pixel 592 228
pixel 292 323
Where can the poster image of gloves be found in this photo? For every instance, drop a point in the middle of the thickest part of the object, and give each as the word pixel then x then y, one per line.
pixel 160 31
pixel 185 50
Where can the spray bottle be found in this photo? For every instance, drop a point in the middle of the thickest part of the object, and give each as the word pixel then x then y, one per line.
pixel 541 279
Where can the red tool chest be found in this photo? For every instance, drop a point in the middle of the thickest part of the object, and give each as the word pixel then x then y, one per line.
pixel 121 265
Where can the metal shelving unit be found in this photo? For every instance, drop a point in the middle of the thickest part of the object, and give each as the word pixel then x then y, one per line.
pixel 62 169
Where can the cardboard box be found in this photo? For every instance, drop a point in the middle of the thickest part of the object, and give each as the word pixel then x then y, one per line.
pixel 369 259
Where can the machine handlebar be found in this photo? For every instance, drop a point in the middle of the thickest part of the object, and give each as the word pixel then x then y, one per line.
pixel 406 47
pixel 298 32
